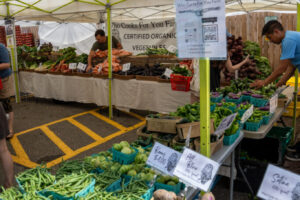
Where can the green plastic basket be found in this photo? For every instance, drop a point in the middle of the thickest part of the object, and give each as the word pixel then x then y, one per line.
pixel 284 134
pixel 246 98
pixel 229 140
pixel 267 118
pixel 258 102
pixel 237 101
pixel 172 188
pixel 82 193
pixel 252 126
pixel 216 99
pixel 124 158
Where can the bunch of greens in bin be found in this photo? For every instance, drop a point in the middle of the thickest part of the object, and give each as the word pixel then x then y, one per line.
pixel 256 117
pixel 244 106
pixel 219 114
pixel 265 92
pixel 190 112
pixel 157 51
pixel 233 128
pixel 263 65
pixel 182 71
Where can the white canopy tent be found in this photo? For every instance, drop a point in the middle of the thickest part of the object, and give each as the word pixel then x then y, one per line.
pixel 92 10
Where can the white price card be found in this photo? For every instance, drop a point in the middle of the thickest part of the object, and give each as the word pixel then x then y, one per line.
pixel 273 103
pixel 279 184
pixel 225 124
pixel 247 114
pixel 168 72
pixel 81 66
pixel 126 67
pixel 163 158
pixel 172 49
pixel 196 169
pixel 72 66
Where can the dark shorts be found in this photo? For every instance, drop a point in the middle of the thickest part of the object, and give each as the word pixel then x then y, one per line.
pixel 3 123
pixel 6 105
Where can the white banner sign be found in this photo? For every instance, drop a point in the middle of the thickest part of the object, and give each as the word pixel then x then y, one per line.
pixel 163 158
pixel 201 30
pixel 196 169
pixel 137 36
pixel 279 184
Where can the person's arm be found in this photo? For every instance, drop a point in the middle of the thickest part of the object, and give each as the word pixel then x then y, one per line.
pixel 287 75
pixel 283 65
pixel 4 66
pixel 117 43
pixel 232 68
pixel 91 55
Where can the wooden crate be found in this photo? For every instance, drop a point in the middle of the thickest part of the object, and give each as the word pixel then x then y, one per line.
pixel 183 129
pixel 162 125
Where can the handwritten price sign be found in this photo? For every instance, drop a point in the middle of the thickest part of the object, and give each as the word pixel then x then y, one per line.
pixel 163 158
pixel 279 184
pixel 196 169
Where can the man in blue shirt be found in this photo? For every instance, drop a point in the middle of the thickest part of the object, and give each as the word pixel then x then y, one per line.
pixel 289 61
pixel 290 53
pixel 8 89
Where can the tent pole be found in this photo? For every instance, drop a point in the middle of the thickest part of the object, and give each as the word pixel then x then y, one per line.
pixel 108 10
pixel 296 83
pixel 204 73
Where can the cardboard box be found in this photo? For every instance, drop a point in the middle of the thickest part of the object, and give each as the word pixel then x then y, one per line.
pixel 162 125
pixel 214 146
pixel 183 129
pixel 176 141
pixel 160 140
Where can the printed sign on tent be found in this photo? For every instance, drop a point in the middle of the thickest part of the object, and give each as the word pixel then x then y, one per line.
pixel 279 184
pixel 196 169
pixel 163 158
pixel 201 30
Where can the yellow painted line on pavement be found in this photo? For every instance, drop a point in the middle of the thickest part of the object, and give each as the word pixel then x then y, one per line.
pixel 24 162
pixel 57 141
pixel 86 130
pixel 92 145
pixel 20 152
pixel 134 115
pixel 55 122
pixel 107 120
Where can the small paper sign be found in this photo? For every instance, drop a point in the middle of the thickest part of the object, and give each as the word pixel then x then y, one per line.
pixel 163 158
pixel 81 66
pixel 72 66
pixel 172 49
pixel 196 169
pixel 225 124
pixel 279 184
pixel 126 67
pixel 168 72
pixel 273 103
pixel 247 114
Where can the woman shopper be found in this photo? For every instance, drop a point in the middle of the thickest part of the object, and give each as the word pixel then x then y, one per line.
pixel 7 90
pixel 5 156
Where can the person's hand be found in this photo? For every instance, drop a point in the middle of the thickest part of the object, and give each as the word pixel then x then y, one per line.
pixel 280 83
pixel 247 59
pixel 88 68
pixel 257 84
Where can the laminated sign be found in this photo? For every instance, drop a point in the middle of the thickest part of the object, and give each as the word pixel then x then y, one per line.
pixel 201 30
pixel 126 67
pixel 273 103
pixel 72 66
pixel 225 124
pixel 163 158
pixel 196 169
pixel 279 184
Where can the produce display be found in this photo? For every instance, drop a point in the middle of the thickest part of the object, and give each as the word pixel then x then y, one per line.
pixel 102 68
pixel 114 52
pixel 257 67
pixel 157 51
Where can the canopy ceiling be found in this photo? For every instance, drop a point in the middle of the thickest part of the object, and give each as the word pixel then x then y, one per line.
pixel 93 10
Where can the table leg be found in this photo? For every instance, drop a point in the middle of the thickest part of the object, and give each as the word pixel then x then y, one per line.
pixel 239 167
pixel 231 174
pixel 282 122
